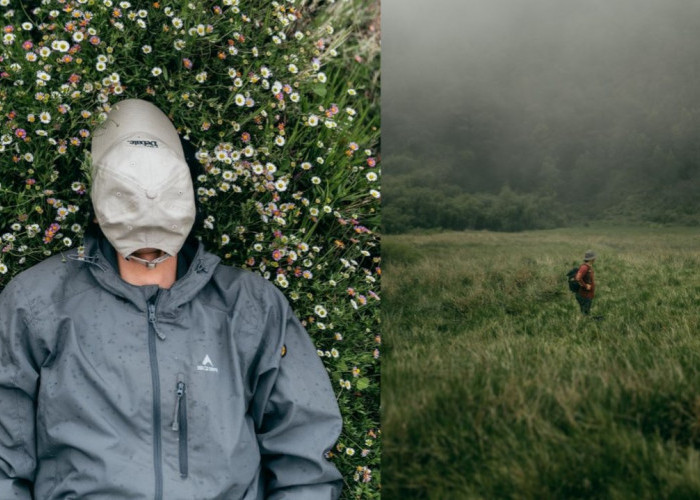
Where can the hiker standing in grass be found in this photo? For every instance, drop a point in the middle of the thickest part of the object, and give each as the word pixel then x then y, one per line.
pixel 586 280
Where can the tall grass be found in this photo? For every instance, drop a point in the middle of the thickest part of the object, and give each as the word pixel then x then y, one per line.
pixel 494 385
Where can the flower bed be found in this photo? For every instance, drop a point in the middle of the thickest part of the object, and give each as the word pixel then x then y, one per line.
pixel 280 101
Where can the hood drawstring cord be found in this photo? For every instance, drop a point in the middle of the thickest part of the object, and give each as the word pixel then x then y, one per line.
pixel 88 259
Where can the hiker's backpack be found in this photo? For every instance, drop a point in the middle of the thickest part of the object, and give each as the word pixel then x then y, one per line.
pixel 571 278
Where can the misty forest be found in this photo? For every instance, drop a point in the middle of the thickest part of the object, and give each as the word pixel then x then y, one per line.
pixel 523 115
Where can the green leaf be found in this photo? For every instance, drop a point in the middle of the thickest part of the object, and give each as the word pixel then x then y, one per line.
pixel 320 90
pixel 363 383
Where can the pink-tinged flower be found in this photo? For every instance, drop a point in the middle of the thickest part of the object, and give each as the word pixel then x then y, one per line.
pixel 277 254
pixel 366 475
pixel 371 162
pixel 351 292
pixel 333 110
pixel 74 78
pixel 250 262
pixel 30 182
pixel 21 133
pixel 245 137
pixel 94 40
pixel 187 63
pixel 362 299
pixel 51 232
pixel 27 45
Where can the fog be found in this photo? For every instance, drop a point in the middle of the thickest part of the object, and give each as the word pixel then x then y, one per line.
pixel 510 92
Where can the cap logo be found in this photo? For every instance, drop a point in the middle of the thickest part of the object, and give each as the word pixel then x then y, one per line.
pixel 147 144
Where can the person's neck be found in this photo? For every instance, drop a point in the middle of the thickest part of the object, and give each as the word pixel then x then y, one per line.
pixel 136 273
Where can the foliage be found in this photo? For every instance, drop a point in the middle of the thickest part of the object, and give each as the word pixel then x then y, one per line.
pixel 413 205
pixel 495 386
pixel 280 100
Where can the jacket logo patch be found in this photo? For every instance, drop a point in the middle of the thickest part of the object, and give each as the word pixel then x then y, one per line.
pixel 207 366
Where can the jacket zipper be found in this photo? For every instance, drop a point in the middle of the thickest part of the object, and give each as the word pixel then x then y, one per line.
pixel 155 380
pixel 179 424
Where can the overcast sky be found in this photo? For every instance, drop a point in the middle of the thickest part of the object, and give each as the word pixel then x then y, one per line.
pixel 441 53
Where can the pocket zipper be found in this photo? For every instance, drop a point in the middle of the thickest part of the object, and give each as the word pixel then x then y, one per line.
pixel 179 424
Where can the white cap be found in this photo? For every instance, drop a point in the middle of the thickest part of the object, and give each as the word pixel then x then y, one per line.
pixel 141 190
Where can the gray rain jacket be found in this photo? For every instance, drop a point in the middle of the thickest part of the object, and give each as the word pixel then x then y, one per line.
pixel 209 390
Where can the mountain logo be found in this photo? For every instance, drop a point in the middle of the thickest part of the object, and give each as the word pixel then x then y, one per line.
pixel 206 365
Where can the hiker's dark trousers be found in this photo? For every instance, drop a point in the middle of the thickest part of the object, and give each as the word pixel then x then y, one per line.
pixel 584 303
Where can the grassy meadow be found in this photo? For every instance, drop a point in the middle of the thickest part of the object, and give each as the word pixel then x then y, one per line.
pixel 494 386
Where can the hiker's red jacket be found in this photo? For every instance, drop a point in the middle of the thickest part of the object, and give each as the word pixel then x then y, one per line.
pixel 585 277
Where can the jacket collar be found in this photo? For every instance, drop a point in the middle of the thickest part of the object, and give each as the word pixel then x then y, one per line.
pixel 201 269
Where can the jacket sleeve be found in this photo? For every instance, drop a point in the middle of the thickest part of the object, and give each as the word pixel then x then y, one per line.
pixel 18 385
pixel 298 419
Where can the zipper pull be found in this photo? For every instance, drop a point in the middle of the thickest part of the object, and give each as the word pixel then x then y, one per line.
pixel 180 391
pixel 179 424
pixel 151 312
pixel 152 320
